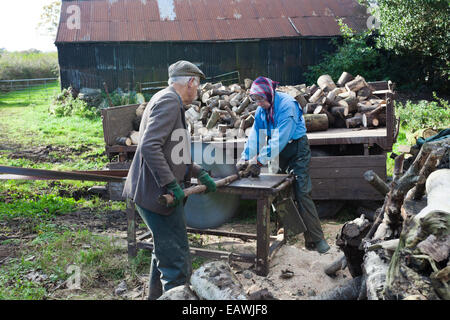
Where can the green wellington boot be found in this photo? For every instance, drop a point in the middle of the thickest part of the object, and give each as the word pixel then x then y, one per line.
pixel 322 246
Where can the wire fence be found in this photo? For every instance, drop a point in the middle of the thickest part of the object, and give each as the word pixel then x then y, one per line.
pixel 26 91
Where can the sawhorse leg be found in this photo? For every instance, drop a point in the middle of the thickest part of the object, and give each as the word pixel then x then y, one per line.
pixel 131 229
pixel 263 236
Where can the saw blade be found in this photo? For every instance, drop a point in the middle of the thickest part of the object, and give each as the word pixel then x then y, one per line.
pixel 210 210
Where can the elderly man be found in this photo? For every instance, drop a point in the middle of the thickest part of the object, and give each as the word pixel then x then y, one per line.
pixel 157 169
pixel 279 119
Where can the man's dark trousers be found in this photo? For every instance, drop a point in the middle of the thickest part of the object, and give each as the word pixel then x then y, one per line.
pixel 171 261
pixel 295 157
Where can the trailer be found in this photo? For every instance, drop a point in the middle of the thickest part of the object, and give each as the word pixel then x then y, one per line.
pixel 340 156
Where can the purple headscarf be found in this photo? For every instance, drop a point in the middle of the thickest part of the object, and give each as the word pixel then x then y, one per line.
pixel 265 88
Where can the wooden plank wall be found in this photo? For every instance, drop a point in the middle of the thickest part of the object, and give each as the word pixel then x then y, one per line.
pixel 341 177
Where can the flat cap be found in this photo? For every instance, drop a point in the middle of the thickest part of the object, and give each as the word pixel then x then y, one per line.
pixel 185 68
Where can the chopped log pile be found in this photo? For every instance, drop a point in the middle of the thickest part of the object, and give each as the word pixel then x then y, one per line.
pixel 227 112
pixel 404 253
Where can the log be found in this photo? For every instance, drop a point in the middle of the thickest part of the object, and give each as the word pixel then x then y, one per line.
pixel 413 271
pixel 140 110
pixel 349 240
pixel 348 291
pixel 213 119
pixel 134 136
pixel 315 97
pixel 365 108
pixel 376 182
pixel 216 281
pixel 236 100
pixel 243 105
pixel 310 107
pixel 179 293
pixel 370 120
pixel 398 167
pixel 123 141
pixel 247 83
pixel 351 105
pixel 301 100
pixel 338 264
pixel 363 93
pixel 356 84
pixel 338 114
pixel 326 83
pixel 316 122
pixel 344 78
pixel 354 122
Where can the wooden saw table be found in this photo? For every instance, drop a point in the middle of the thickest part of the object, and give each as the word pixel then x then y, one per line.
pixel 263 190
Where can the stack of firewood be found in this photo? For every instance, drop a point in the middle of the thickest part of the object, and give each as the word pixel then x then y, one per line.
pixel 222 112
pixel 349 103
pixel 404 253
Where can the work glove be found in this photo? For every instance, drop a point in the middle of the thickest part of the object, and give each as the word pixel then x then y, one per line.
pixel 205 179
pixel 241 165
pixel 177 193
pixel 253 169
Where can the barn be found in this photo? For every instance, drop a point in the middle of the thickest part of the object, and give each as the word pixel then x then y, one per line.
pixel 127 42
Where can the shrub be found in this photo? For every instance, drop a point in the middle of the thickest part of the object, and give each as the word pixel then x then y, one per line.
pixel 424 114
pixel 28 65
pixel 64 105
pixel 353 55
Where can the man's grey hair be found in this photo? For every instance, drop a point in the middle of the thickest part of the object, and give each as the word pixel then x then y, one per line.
pixel 182 80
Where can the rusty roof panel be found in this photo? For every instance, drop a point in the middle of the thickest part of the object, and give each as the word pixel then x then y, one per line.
pixel 99 29
pixel 189 30
pixel 99 11
pixel 197 20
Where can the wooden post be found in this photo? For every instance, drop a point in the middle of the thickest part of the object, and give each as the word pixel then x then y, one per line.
pixel 131 229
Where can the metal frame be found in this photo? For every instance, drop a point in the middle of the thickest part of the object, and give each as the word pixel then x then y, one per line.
pixel 264 249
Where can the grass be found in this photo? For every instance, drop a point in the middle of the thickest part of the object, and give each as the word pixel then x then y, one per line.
pixel 414 117
pixel 32 207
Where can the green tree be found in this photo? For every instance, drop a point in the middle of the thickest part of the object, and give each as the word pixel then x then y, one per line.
pixel 50 18
pixel 417 28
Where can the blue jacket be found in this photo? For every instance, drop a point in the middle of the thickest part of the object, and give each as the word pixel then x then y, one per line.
pixel 289 124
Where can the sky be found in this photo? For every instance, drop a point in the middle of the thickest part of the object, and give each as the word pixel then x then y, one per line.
pixel 18 26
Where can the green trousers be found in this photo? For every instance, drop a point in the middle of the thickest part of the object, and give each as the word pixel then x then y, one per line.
pixel 295 158
pixel 171 261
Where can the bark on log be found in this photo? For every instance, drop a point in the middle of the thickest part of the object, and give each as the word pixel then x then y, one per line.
pixel 216 281
pixel 179 293
pixel 349 240
pixel 315 97
pixel 348 291
pixel 134 136
pixel 123 141
pixel 243 105
pixel 338 264
pixel 376 182
pixel 354 122
pixel 310 107
pixel 356 84
pixel 213 119
pixel 344 78
pixel 316 122
pixel 338 114
pixel 326 83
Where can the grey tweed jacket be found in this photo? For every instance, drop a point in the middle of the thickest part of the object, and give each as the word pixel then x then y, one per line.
pixel 163 153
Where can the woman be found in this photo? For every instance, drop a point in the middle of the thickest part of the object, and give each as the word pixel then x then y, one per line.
pixel 279 120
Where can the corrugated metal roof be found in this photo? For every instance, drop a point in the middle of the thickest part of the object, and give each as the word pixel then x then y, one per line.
pixel 206 20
